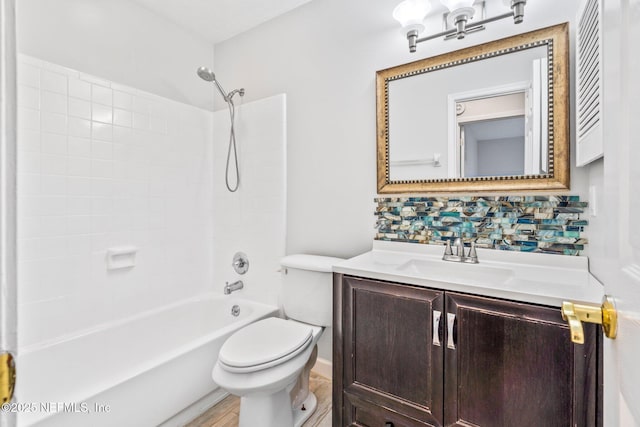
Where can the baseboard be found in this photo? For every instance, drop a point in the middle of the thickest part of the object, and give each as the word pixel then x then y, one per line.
pixel 323 367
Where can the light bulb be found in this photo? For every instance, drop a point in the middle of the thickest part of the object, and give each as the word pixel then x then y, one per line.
pixel 411 13
pixel 457 4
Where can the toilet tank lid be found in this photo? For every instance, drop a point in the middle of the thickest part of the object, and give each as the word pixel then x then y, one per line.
pixel 323 264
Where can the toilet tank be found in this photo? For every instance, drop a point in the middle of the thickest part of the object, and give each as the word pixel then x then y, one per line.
pixel 307 288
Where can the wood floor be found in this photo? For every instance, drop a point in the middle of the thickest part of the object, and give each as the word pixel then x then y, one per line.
pixel 225 413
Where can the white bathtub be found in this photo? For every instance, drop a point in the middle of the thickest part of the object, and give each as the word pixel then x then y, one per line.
pixel 146 368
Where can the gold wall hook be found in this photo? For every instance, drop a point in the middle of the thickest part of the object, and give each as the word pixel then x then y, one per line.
pixel 605 315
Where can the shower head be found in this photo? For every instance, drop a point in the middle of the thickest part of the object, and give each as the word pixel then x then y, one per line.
pixel 206 74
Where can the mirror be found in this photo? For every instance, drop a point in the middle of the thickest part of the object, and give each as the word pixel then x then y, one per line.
pixel 492 117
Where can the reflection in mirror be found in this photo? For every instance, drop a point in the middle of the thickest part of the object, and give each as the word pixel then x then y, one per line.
pixel 492 147
pixel 495 112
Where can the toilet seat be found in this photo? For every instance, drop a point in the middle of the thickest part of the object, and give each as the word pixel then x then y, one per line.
pixel 264 344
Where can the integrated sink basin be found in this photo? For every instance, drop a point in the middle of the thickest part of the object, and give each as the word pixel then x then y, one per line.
pixel 534 278
pixel 457 272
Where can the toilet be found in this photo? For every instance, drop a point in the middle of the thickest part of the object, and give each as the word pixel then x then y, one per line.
pixel 267 363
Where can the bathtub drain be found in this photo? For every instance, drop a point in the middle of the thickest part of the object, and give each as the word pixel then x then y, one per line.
pixel 235 310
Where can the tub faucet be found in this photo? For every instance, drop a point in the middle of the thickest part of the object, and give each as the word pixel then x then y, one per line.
pixel 228 288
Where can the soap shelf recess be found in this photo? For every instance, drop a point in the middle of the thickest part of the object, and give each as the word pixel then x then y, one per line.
pixel 119 257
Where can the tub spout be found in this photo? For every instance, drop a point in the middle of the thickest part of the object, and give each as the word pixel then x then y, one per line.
pixel 228 288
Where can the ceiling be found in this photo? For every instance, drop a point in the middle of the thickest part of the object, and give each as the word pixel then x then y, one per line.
pixel 218 20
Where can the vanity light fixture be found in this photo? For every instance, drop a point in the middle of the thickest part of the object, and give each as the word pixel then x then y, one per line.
pixel 411 14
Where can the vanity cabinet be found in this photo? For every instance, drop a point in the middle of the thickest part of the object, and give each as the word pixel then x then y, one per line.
pixel 414 356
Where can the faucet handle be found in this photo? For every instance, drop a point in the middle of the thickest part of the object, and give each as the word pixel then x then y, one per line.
pixel 473 255
pixel 447 249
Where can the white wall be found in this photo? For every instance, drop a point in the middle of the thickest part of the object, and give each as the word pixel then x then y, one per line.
pixel 324 56
pixel 253 219
pixel 117 40
pixel 103 165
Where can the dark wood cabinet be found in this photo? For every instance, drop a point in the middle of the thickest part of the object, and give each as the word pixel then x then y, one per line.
pixel 412 356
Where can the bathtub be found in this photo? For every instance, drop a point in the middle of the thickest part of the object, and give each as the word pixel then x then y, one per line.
pixel 140 371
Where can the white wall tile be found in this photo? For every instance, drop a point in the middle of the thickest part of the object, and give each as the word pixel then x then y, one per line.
pixel 54 143
pixel 122 117
pixel 53 226
pixel 102 150
pixel 29 140
pixel 101 95
pixel 54 102
pixel 158 124
pixel 79 166
pixel 79 89
pixel 28 75
pixel 54 82
pixel 28 119
pixel 80 147
pixel 103 187
pixel 102 206
pixel 29 162
pixel 79 186
pixel 29 227
pixel 77 206
pixel 29 184
pixel 79 242
pixel 122 100
pixel 52 205
pixel 28 97
pixel 101 113
pixel 54 185
pixel 123 134
pixel 53 165
pixel 79 108
pixel 101 168
pixel 140 104
pixel 53 122
pixel 79 127
pixel 101 131
pixel 95 80
pixel 140 120
pixel 85 180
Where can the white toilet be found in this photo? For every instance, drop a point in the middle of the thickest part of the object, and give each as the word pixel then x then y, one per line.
pixel 267 363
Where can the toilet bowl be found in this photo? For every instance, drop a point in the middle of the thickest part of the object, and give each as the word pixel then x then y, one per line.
pixel 264 388
pixel 267 363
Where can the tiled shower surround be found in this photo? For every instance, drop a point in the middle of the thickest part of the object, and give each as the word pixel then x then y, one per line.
pixel 103 165
pixel 547 224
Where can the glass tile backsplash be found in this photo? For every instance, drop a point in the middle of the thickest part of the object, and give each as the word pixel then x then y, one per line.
pixel 547 224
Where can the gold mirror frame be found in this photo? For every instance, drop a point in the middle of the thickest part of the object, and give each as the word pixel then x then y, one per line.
pixel 556 38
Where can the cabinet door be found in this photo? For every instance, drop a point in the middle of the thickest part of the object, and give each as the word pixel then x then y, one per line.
pixel 510 364
pixel 393 359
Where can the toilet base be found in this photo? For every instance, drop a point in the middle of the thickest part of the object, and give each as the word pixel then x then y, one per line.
pixel 268 410
pixel 310 404
pixel 275 410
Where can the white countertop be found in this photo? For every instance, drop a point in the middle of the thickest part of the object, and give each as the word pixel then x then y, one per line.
pixel 529 277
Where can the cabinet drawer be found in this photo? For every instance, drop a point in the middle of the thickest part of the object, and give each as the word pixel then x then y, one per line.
pixel 366 414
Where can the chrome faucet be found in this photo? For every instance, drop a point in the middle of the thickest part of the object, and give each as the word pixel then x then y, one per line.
pixel 228 288
pixel 471 257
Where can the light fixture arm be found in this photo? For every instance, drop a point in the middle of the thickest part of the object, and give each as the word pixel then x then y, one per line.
pixel 461 29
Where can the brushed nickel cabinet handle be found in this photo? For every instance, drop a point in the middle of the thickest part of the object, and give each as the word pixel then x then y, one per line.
pixel 451 320
pixel 436 327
